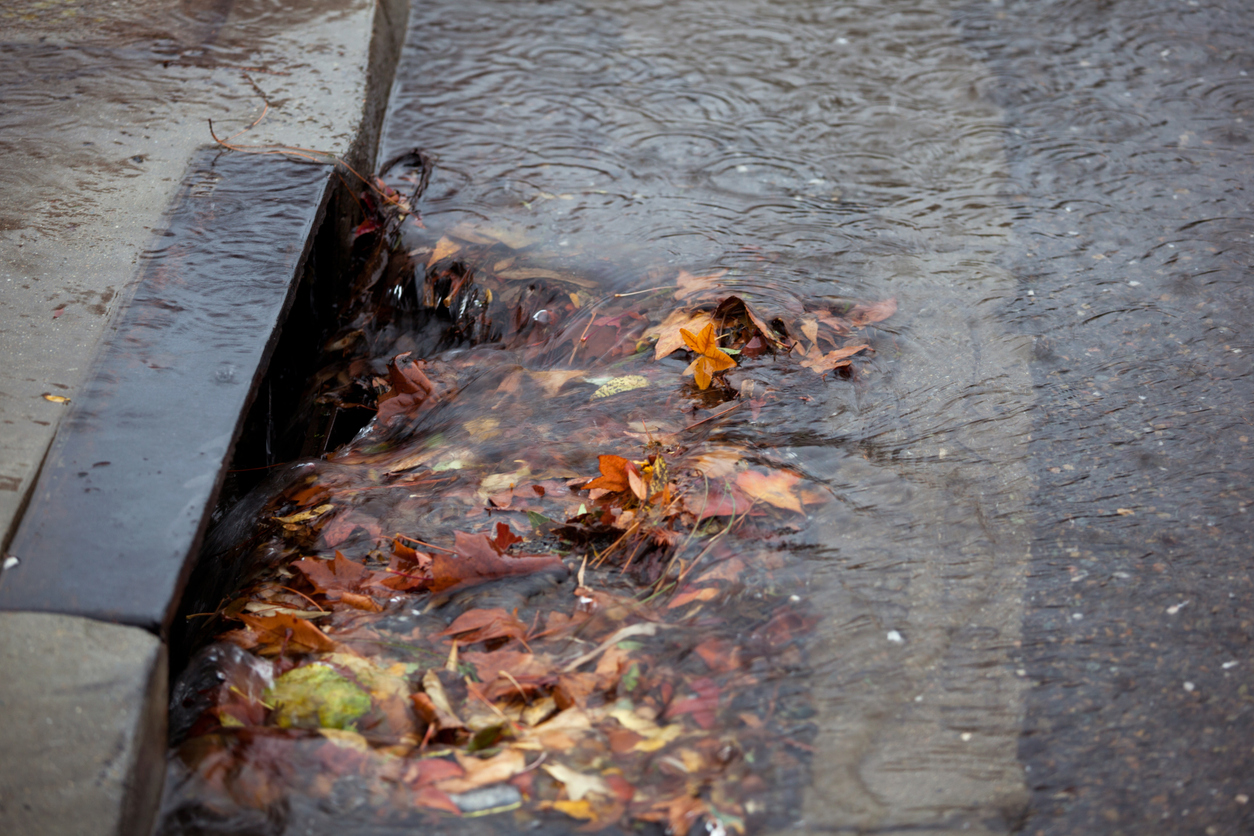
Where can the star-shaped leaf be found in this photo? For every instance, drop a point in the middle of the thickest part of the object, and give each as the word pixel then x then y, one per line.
pixel 710 358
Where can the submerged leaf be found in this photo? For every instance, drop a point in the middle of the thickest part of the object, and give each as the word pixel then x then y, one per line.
pixel 316 696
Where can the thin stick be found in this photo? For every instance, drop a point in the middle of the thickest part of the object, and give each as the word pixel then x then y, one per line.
pixel 306 597
pixel 428 545
pixel 521 692
pixel 591 319
pixel 711 418
pixel 638 292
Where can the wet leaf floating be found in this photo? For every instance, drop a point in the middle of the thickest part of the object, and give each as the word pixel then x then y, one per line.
pixel 540 574
pixel 710 358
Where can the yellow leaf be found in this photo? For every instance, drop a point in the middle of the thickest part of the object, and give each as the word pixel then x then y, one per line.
pixel 575 809
pixel 578 784
pixel 621 384
pixel 56 398
pixel 443 249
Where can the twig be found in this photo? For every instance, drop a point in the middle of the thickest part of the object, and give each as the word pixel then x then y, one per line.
pixel 736 405
pixel 428 545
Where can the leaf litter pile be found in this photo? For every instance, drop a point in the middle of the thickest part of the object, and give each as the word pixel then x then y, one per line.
pixel 549 583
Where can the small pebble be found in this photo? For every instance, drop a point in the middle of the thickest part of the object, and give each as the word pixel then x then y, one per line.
pixel 10 562
pixel 895 637
pixel 1241 798
pixel 966 735
pixel 1189 686
pixel 1228 665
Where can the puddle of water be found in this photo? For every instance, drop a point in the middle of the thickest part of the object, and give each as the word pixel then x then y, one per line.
pixel 818 155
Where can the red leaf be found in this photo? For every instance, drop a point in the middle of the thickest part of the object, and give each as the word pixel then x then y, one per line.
pixel 702 706
pixel 505 537
pixel 477 561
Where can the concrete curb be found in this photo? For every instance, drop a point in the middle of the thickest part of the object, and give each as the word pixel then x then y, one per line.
pixel 122 500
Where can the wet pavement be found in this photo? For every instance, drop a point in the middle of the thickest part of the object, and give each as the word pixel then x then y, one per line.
pixel 1128 135
pixel 104 105
pixel 104 111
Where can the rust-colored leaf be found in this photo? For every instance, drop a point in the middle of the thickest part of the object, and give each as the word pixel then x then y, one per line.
pixel 613 474
pixel 483 625
pixel 477 561
pixel 284 629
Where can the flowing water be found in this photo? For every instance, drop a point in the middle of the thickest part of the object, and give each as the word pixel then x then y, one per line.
pixel 820 154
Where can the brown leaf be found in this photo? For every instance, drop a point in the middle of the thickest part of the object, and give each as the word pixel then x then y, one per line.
pixel 669 337
pixel 476 561
pixel 822 363
pixel 288 630
pixel 702 705
pixel 484 625
pixel 342 579
pixel 690 285
pixel 482 772
pixel 734 307
pixel 775 488
pixel 866 314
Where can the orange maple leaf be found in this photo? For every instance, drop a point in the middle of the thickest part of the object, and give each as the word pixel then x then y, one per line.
pixel 710 358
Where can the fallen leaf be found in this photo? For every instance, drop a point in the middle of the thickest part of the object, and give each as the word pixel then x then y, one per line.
pixel 669 338
pixel 822 363
pixel 342 579
pixel 578 784
pixel 876 312
pixel 484 625
pixel 316 696
pixel 56 398
pixel 775 488
pixel 689 285
pixel 477 561
pixel 288 630
pixel 305 516
pixel 733 307
pixel 710 358
pixel 620 384
pixel 554 380
pixel 575 809
pixel 444 248
pixel 485 771
pixel 702 706
pixel 613 474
